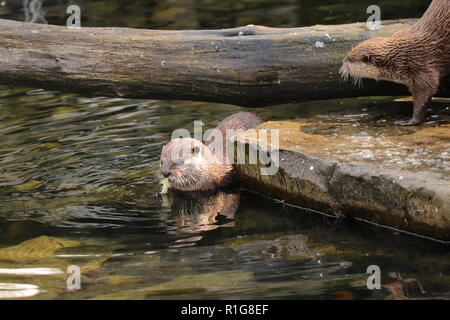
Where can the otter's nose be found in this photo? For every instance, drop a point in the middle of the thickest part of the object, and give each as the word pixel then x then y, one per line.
pixel 165 173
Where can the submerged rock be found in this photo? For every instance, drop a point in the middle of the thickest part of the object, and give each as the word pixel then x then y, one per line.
pixel 358 164
pixel 211 283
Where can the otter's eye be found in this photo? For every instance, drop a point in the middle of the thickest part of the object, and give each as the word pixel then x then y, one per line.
pixel 195 150
pixel 366 58
pixel 178 161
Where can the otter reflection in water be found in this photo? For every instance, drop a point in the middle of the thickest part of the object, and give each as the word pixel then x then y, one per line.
pixel 195 212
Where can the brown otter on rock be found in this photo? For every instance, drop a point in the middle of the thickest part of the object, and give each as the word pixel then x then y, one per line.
pixel 418 57
pixel 190 165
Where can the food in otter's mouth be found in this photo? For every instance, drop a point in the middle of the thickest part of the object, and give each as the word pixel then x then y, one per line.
pixel 190 165
pixel 418 57
pixel 165 186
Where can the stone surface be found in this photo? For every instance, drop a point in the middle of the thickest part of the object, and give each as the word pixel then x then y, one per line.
pixel 355 162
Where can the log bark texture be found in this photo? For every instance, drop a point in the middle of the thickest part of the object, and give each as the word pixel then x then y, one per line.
pixel 249 66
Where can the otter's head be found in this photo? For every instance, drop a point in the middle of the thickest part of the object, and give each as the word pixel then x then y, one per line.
pixel 189 165
pixel 367 60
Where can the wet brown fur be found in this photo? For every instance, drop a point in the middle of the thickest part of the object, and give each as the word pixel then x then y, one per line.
pixel 190 165
pixel 418 57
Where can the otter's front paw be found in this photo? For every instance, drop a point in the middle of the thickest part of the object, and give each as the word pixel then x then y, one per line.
pixel 409 122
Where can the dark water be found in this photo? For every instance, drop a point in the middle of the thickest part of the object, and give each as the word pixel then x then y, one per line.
pixel 78 186
pixel 203 14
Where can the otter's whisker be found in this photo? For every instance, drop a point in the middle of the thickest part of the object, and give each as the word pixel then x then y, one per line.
pixel 357 82
pixel 344 74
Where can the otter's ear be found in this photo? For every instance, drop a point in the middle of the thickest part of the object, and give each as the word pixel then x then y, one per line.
pixel 366 58
pixel 195 150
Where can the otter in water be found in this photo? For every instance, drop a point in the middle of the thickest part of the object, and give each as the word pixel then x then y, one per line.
pixel 190 165
pixel 418 57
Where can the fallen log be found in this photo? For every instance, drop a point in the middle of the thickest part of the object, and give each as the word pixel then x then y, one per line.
pixel 248 66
